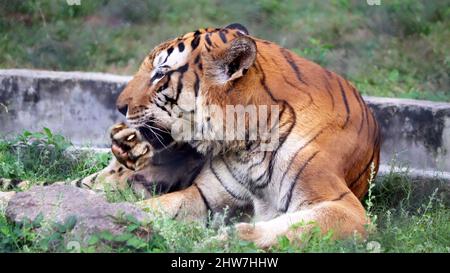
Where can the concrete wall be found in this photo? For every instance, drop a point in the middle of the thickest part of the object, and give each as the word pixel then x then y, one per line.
pixel 414 132
pixel 81 107
pixel 76 104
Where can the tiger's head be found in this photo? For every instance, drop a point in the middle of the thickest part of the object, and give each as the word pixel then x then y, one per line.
pixel 181 78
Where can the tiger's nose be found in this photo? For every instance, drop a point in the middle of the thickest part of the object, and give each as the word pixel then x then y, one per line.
pixel 123 109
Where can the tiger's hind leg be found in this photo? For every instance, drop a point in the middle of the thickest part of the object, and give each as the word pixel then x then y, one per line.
pixel 315 198
pixel 344 217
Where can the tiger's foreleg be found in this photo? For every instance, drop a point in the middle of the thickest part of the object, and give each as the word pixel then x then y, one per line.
pixel 113 177
pixel 206 195
pixel 5 197
pixel 186 204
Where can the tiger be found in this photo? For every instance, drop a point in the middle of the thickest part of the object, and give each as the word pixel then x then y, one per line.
pixel 316 174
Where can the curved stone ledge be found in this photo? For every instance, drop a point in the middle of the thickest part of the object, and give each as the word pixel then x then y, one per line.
pixel 414 132
pixel 80 105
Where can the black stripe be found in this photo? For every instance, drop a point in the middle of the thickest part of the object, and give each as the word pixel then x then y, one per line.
pixel 208 40
pixel 280 145
pixel 368 164
pixel 290 60
pixel 297 87
pixel 179 87
pixel 229 89
pixel 195 42
pixel 230 192
pixel 290 83
pixel 181 47
pixel 159 102
pixel 262 56
pixel 298 151
pixel 363 108
pixel 93 179
pixel 283 138
pixel 164 109
pixel 256 186
pixel 328 72
pixel 341 196
pixel 377 132
pixel 169 51
pixel 196 84
pixel 223 37
pixel 229 170
pixel 288 196
pixel 169 100
pixel 163 87
pixel 368 112
pixel 264 84
pixel 78 183
pixel 208 206
pixel 259 162
pixel 197 59
pixel 344 98
pixel 183 68
pixel 328 87
pixel 158 75
pixel 178 212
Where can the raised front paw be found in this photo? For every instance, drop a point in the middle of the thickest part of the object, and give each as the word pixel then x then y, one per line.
pixel 129 147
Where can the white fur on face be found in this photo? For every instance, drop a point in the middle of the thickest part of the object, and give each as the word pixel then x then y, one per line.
pixel 165 61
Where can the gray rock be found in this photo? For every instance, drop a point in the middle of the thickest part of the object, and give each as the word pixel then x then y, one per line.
pixel 58 203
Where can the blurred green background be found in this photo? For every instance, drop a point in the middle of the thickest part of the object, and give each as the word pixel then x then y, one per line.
pixel 400 48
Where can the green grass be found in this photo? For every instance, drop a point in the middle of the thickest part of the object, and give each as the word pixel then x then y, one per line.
pixel 44 157
pixel 398 49
pixel 404 219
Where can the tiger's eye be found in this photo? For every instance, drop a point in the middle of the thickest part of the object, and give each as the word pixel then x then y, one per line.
pixel 158 75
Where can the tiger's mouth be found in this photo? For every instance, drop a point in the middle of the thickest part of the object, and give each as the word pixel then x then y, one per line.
pixel 158 136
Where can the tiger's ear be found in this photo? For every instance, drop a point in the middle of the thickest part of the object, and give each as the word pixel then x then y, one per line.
pixel 231 63
pixel 238 27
